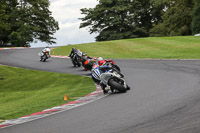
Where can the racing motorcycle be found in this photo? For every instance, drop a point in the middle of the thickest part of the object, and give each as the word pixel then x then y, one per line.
pixel 44 56
pixel 75 60
pixel 110 77
pixel 88 62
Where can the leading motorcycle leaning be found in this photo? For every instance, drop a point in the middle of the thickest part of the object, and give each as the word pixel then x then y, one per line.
pixel 75 57
pixel 44 54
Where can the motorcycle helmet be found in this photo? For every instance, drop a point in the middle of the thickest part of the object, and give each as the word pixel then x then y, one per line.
pixel 100 58
pixel 101 62
pixel 84 54
pixel 73 49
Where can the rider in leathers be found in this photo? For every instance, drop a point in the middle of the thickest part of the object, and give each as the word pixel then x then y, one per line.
pixel 100 68
pixel 45 50
pixel 73 52
pixel 97 70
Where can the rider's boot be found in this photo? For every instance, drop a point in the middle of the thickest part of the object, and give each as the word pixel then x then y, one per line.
pixel 103 88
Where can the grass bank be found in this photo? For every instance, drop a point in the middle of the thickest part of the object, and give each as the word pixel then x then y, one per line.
pixel 180 47
pixel 23 91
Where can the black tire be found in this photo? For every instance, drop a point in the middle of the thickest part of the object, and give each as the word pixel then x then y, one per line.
pixel 112 90
pixel 74 63
pixel 117 86
pixel 44 58
pixel 79 65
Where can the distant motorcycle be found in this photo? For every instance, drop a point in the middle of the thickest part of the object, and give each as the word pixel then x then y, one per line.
pixel 44 56
pixel 87 62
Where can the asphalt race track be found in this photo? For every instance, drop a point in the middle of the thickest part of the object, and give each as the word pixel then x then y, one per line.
pixel 164 98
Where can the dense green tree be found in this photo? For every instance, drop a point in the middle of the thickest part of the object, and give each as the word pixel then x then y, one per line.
pixel 114 19
pixel 120 19
pixel 26 20
pixel 176 20
pixel 43 24
pixel 5 10
pixel 151 12
pixel 196 17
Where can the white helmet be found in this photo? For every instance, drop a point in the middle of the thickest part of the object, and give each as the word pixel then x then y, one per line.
pixel 100 58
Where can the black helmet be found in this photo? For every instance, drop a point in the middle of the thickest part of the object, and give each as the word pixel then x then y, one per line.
pixel 73 49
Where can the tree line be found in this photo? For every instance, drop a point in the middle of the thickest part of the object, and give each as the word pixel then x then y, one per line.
pixel 122 19
pixel 23 21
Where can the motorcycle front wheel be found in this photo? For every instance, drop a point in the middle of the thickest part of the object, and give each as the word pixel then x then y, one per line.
pixel 117 86
pixel 43 58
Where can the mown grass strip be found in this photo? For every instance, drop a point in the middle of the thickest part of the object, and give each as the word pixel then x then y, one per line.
pixel 180 47
pixel 23 91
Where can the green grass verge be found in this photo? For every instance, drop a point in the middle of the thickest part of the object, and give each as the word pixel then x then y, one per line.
pixel 180 47
pixel 23 91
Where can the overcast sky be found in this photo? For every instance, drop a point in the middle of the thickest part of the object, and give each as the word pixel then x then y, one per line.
pixel 67 12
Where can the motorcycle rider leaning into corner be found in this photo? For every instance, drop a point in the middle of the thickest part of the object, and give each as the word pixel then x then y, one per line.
pixel 99 68
pixel 96 72
pixel 45 50
pixel 74 50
